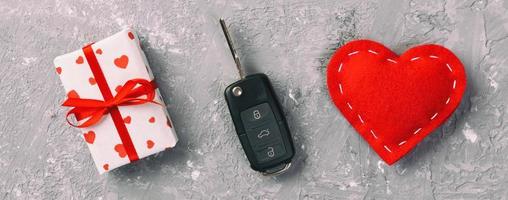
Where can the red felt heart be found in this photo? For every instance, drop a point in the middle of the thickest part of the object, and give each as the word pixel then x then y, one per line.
pixel 89 137
pixel 122 61
pixel 395 101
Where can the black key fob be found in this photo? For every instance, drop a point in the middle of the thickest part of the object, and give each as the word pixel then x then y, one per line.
pixel 258 119
pixel 260 123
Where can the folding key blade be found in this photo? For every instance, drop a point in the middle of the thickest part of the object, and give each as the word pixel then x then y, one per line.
pixel 258 119
pixel 232 48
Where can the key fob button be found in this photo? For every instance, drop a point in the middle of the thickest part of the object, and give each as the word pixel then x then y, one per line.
pixel 256 115
pixel 267 133
pixel 270 152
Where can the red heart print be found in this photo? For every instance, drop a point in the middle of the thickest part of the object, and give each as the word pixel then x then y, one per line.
pixel 151 120
pixel 98 51
pixel 121 150
pixel 127 120
pixel 131 35
pixel 149 144
pixel 122 61
pixel 394 101
pixel 59 70
pixel 89 137
pixel 106 167
pixel 73 94
pixel 92 81
pixel 79 60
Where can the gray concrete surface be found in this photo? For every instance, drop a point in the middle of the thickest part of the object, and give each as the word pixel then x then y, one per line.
pixel 41 157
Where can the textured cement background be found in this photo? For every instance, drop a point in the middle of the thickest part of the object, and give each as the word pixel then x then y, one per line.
pixel 41 157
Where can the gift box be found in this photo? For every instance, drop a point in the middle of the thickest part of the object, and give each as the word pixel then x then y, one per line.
pixel 114 101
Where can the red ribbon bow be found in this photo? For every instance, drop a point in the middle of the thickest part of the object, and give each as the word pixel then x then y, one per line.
pixel 92 110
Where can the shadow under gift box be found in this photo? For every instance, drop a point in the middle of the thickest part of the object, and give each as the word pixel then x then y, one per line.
pixel 149 127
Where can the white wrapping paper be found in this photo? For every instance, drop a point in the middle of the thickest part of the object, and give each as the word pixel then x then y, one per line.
pixel 149 125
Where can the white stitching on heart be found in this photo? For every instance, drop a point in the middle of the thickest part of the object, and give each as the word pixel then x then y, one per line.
pixel 353 53
pixel 388 149
pixel 373 134
pixel 393 61
pixel 417 130
pixel 361 120
pixel 415 58
pixel 449 68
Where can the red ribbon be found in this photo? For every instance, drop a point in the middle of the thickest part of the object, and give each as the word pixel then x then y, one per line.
pixel 92 110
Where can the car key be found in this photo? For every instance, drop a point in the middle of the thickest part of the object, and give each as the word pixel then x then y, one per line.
pixel 258 119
